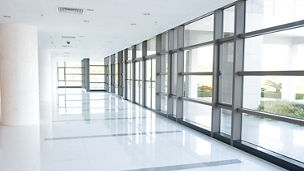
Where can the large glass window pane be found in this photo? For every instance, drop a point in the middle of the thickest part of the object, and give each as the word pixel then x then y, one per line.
pixel 280 137
pixel 73 84
pixel 163 105
pixel 130 53
pixel 198 87
pixel 174 107
pixel 174 73
pixel 138 86
pixel 164 42
pixel 69 73
pixel 139 50
pixel 97 70
pixel 129 82
pixel 175 33
pixel 199 31
pixel 148 70
pixel 198 113
pixel 61 74
pixel 116 77
pixel 226 116
pixel 153 69
pixel 199 59
pixel 282 95
pixel 228 25
pixel 96 78
pixel 226 73
pixel 73 70
pixel 148 94
pixel 73 77
pixel 151 46
pixel 164 63
pixel 274 52
pixel 153 95
pixel 96 86
pixel 267 13
pixel 163 83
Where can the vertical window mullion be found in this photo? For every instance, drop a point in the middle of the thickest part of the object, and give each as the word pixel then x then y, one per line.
pixel 218 34
pixel 237 92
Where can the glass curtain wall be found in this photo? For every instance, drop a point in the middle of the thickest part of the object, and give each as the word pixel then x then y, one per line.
pixel 110 74
pixel 225 80
pixel 198 71
pixel 138 74
pixel 273 77
pixel 244 84
pixel 97 75
pixel 116 74
pixel 69 74
pixel 151 73
pixel 164 73
pixel 129 75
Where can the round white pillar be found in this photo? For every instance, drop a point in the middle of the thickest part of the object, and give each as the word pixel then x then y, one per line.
pixel 19 74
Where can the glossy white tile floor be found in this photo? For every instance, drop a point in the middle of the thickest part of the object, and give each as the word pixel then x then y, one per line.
pixel 100 132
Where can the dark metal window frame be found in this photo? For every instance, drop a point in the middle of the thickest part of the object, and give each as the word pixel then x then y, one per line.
pixel 238 39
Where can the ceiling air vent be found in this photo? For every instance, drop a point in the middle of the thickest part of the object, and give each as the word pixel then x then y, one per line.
pixel 66 10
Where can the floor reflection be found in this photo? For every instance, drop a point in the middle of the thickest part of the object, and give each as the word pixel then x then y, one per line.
pixel 100 131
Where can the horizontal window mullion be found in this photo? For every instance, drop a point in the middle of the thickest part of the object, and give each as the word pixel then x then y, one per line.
pixel 274 29
pixel 198 45
pixel 151 56
pixel 271 73
pixel 195 73
pixel 162 93
pixel 224 106
pixel 163 53
pixel 199 18
pixel 138 59
pixel 72 74
pixel 97 65
pixel 196 101
pixel 72 67
pixel 162 73
pixel 272 116
pixel 225 40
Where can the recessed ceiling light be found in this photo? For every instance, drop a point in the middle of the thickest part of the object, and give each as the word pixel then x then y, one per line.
pixel 133 24
pixel 7 16
pixel 146 14
pixel 41 15
pixel 86 21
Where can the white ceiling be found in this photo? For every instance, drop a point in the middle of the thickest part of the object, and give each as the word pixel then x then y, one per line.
pixel 109 28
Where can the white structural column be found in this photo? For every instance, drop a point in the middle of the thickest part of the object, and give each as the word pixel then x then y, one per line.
pixel 19 74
